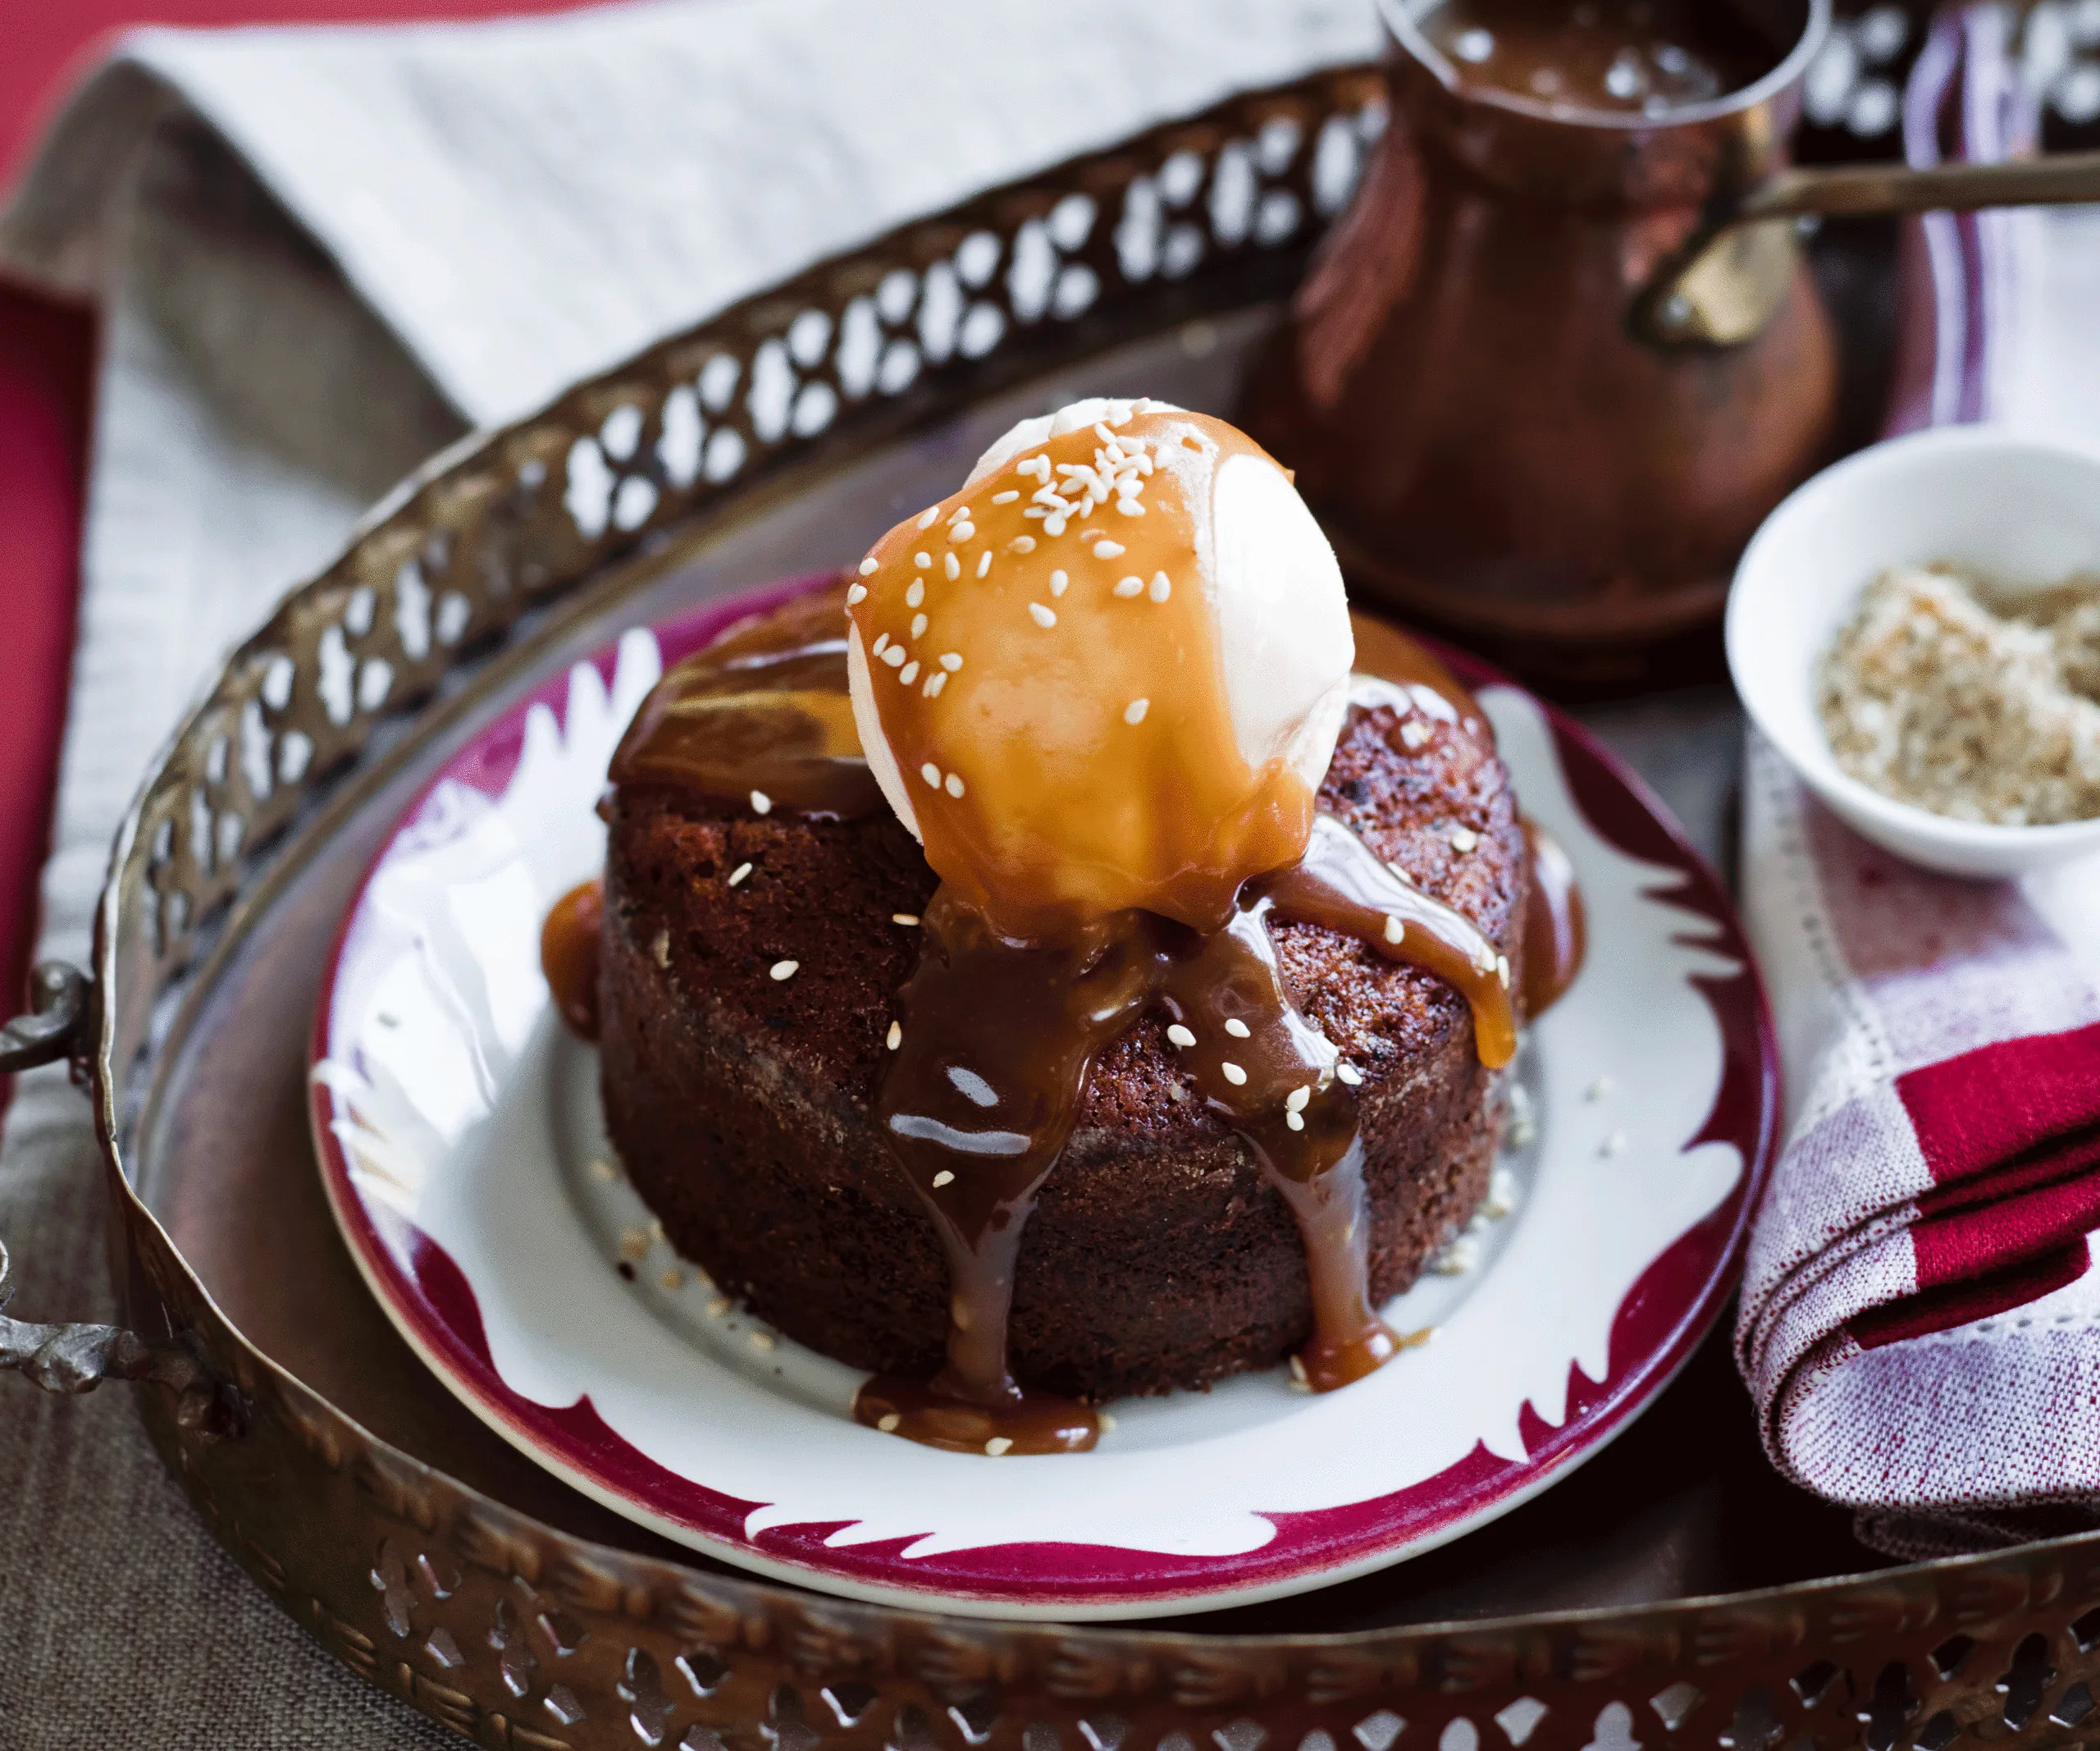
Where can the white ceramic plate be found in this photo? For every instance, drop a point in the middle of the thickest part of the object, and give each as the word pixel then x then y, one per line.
pixel 461 1143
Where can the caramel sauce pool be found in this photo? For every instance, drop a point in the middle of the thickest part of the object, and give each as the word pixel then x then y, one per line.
pixel 998 1033
pixel 571 942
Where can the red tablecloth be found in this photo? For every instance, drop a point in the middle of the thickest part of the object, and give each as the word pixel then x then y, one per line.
pixel 46 354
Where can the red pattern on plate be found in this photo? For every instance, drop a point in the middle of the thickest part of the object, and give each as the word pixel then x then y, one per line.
pixel 1661 1320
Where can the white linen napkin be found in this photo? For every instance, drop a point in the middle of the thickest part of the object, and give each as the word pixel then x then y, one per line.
pixel 1919 1322
pixel 321 254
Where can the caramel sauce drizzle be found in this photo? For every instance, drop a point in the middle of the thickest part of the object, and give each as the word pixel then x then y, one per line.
pixel 762 710
pixel 998 1032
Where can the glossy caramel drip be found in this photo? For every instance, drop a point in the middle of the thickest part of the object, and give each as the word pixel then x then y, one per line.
pixel 571 945
pixel 762 709
pixel 1556 929
pixel 998 1037
pixel 1052 690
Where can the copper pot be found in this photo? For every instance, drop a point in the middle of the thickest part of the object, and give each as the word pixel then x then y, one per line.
pixel 1498 445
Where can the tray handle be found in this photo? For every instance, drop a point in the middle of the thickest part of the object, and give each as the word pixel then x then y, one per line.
pixel 75 1359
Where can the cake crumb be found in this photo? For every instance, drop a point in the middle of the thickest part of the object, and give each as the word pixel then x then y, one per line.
pixel 763 1340
pixel 889 1422
pixel 717 1307
pixel 603 1171
pixel 673 1279
pixel 1977 705
pixel 1104 1421
pixel 1503 1194
pixel 634 1244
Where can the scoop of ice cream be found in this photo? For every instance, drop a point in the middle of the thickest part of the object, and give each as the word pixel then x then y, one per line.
pixel 1109 672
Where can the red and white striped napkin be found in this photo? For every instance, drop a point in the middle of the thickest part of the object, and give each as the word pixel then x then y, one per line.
pixel 1920 1319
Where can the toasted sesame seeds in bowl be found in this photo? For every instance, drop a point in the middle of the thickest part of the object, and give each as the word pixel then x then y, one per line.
pixel 2018 513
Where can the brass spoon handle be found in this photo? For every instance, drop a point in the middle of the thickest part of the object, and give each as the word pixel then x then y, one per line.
pixel 1734 274
pixel 2058 180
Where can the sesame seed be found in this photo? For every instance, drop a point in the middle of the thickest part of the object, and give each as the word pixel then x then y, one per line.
pixel 1299 1098
pixel 661 949
pixel 999 1447
pixel 905 918
pixel 918 623
pixel 889 1422
pixel 894 656
pixel 717 1307
pixel 672 1279
pixel 1294 1120
pixel 916 594
pixel 1239 1029
pixel 983 562
pixel 1181 1035
pixel 1502 970
pixel 1004 498
pixel 1053 524
pixel 739 873
pixel 1129 586
pixel 604 1171
pixel 952 565
pixel 1134 713
pixel 1041 616
pixel 1234 1074
pixel 934 683
pixel 1106 436
pixel 1404 876
pixel 942 1178
pixel 870 566
pixel 932 516
pixel 856 595
pixel 1415 732
pixel 1021 544
pixel 763 1340
pixel 909 673
pixel 761 803
pixel 1108 550
pixel 1350 1074
pixel 784 970
pixel 1298 1367
pixel 932 774
pixel 1058 583
pixel 954 785
pixel 881 644
pixel 960 513
pixel 924 561
pixel 1395 931
pixel 962 532
pixel 1465 839
pixel 896 1036
pixel 1129 507
pixel 1162 586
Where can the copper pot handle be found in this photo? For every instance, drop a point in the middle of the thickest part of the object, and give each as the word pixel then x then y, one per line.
pixel 1729 279
pixel 74 1358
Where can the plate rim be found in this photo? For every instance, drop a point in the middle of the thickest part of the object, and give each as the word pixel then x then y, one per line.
pixel 1699 890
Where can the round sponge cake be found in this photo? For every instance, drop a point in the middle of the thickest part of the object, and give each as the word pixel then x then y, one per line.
pixel 1157 1257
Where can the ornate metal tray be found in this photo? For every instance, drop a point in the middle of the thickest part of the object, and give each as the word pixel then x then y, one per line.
pixel 1674 1593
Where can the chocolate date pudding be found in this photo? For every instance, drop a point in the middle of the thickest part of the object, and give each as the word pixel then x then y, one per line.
pixel 1071 957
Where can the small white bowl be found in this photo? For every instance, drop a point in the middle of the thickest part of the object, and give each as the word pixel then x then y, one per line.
pixel 2022 512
